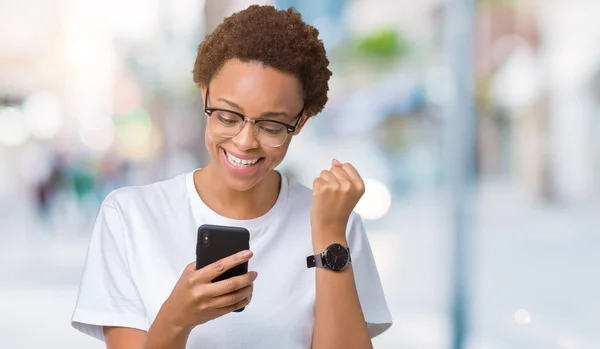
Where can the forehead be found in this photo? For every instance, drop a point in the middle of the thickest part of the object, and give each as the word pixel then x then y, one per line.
pixel 256 87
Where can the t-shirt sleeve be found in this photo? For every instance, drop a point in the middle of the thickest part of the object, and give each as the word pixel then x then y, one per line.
pixel 368 284
pixel 107 293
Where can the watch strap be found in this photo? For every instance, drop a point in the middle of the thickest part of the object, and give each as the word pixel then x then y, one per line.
pixel 314 261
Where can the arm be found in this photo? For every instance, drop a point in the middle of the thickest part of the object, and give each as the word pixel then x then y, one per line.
pixel 123 337
pixel 339 320
pixel 160 335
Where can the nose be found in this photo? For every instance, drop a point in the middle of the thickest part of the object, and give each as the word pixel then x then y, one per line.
pixel 246 139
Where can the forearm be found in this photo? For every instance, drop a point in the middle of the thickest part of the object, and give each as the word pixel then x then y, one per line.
pixel 339 321
pixel 163 334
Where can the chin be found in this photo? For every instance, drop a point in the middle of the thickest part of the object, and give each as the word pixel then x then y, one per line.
pixel 240 184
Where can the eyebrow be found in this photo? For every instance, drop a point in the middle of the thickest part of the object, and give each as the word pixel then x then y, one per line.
pixel 265 114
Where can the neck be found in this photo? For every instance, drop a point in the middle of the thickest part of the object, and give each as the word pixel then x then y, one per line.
pixel 230 203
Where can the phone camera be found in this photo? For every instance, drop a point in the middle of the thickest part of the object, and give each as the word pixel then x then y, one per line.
pixel 205 239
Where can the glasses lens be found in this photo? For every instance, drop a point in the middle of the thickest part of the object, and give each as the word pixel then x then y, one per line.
pixel 225 124
pixel 270 133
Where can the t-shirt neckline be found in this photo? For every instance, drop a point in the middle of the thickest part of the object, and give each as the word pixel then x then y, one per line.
pixel 205 215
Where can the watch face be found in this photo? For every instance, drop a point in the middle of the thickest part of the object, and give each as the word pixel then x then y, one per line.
pixel 336 257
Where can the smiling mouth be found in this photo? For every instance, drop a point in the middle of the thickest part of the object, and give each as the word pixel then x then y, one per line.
pixel 241 163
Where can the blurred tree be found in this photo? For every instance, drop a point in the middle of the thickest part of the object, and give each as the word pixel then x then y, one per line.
pixel 387 44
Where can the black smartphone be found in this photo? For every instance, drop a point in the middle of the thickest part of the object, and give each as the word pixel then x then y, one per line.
pixel 216 242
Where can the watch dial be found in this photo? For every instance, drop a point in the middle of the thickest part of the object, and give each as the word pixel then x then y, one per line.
pixel 336 257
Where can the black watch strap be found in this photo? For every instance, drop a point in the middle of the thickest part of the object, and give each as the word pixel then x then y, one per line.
pixel 314 261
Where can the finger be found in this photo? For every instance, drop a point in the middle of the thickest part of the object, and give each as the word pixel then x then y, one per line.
pixel 352 172
pixel 318 183
pixel 232 284
pixel 232 298
pixel 222 311
pixel 328 176
pixel 341 174
pixel 335 162
pixel 217 268
pixel 190 268
pixel 344 181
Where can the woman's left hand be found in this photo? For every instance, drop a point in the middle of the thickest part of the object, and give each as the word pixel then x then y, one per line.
pixel 335 194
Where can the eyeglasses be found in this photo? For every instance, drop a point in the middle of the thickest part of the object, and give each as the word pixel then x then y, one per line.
pixel 228 124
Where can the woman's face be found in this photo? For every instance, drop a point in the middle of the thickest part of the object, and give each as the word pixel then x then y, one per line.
pixel 253 90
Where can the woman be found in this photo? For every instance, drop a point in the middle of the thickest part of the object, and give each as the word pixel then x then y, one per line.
pixel 262 73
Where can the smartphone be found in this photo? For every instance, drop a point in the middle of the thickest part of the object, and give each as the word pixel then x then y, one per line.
pixel 216 242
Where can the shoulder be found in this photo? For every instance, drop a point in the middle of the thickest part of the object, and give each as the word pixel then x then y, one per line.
pixel 157 194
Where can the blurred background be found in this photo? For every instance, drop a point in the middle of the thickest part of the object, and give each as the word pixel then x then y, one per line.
pixel 498 247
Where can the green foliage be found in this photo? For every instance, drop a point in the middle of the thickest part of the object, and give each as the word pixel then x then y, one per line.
pixel 383 45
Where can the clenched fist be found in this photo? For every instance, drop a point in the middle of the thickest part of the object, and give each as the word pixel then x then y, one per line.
pixel 335 194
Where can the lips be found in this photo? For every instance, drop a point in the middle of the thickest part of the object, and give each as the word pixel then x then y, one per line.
pixel 240 166
pixel 240 162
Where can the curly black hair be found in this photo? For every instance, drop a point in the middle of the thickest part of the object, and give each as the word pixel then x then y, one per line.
pixel 275 38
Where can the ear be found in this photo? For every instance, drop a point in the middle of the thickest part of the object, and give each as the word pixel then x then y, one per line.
pixel 303 119
pixel 203 92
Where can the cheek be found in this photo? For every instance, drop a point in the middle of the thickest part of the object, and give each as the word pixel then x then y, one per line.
pixel 210 140
pixel 276 156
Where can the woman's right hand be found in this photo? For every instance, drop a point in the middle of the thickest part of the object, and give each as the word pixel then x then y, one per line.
pixel 196 300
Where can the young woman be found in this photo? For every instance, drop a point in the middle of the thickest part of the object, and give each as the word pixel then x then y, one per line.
pixel 263 74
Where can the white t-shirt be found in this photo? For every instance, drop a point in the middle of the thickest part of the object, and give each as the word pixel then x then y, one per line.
pixel 145 236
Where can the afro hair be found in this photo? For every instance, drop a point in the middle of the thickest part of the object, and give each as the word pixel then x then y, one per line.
pixel 276 38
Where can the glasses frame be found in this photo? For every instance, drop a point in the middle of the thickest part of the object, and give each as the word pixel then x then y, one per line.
pixel 289 128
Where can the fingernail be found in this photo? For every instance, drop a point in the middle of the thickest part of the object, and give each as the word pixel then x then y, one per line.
pixel 254 276
pixel 247 254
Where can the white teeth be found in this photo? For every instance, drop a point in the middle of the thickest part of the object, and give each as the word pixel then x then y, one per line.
pixel 240 162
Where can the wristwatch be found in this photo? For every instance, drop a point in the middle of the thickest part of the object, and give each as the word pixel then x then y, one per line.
pixel 335 257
